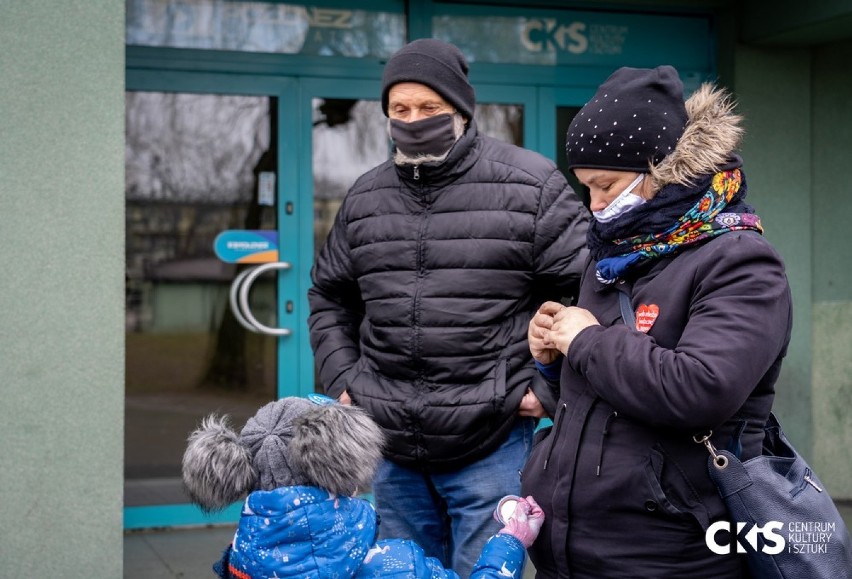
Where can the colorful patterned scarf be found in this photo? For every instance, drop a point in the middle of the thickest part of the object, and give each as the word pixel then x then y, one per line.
pixel 704 220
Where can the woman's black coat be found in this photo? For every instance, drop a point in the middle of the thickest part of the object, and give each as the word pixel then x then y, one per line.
pixel 625 488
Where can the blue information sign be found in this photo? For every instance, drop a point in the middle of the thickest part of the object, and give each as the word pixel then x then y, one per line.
pixel 247 246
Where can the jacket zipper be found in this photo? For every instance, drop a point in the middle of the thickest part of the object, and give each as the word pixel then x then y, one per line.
pixel 415 314
pixel 806 480
pixel 607 423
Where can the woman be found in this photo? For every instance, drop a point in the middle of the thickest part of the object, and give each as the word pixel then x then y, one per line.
pixel 624 487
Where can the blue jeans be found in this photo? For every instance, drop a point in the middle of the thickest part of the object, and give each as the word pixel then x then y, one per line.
pixel 450 514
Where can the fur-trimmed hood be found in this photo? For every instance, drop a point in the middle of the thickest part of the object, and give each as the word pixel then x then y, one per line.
pixel 709 140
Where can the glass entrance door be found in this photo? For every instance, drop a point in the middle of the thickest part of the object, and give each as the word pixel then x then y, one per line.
pixel 206 154
pixel 197 164
pixel 563 105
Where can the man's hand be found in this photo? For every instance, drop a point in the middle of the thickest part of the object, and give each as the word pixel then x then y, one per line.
pixel 531 406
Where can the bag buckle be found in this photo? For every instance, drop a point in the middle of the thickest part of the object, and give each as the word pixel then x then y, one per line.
pixel 720 461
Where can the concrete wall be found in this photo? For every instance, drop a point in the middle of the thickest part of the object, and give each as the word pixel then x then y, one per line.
pixel 832 274
pixel 61 287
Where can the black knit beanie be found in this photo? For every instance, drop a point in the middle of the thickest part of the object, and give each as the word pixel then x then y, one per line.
pixel 634 120
pixel 436 64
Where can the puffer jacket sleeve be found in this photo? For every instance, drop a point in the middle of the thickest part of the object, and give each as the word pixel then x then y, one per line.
pixel 560 238
pixel 560 256
pixel 336 308
pixel 502 556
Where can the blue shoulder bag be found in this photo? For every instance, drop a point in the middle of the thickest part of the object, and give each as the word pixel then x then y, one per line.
pixel 790 525
pixel 793 528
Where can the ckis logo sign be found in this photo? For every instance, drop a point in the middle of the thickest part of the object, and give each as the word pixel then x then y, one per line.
pixel 773 541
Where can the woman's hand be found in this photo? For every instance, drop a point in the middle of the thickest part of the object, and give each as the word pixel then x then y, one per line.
pixel 566 324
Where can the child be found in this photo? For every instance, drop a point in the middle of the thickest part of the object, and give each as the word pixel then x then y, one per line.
pixel 301 461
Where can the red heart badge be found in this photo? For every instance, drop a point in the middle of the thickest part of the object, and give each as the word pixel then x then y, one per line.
pixel 646 316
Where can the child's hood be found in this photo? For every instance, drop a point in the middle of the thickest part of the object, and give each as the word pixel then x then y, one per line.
pixel 303 530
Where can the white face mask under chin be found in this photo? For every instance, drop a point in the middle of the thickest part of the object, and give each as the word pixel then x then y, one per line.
pixel 626 201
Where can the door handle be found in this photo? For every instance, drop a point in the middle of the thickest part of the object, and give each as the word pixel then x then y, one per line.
pixel 234 300
pixel 240 289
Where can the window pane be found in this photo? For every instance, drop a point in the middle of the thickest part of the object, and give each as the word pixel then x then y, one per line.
pixel 504 122
pixel 266 27
pixel 564 116
pixel 192 169
pixel 349 139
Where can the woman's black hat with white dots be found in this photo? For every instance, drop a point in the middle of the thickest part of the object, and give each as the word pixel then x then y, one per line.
pixel 634 120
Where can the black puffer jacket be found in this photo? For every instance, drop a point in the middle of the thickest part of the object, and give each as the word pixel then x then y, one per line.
pixel 424 289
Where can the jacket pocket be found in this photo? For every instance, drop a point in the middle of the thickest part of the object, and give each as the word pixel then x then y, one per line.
pixel 350 379
pixel 670 492
pixel 541 434
pixel 501 376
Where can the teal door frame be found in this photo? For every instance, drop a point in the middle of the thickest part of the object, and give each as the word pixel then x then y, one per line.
pixel 310 88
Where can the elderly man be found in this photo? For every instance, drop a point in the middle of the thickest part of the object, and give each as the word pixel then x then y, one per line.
pixel 421 297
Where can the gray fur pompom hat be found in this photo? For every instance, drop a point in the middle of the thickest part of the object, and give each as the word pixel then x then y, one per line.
pixel 290 442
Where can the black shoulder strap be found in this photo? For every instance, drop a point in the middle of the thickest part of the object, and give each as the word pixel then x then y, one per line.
pixel 627 310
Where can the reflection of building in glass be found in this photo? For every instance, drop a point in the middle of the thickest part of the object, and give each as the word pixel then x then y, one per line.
pixel 191 172
pixel 264 27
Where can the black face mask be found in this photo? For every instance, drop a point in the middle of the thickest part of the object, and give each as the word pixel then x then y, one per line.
pixel 429 136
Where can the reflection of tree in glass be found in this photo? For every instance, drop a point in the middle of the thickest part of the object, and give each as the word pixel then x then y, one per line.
pixel 265 26
pixel 349 139
pixel 192 166
pixel 186 147
pixel 229 363
pixel 504 122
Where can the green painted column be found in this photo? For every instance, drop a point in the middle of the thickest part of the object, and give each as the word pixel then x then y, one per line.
pixel 61 287
pixel 799 125
pixel 832 274
pixel 773 88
